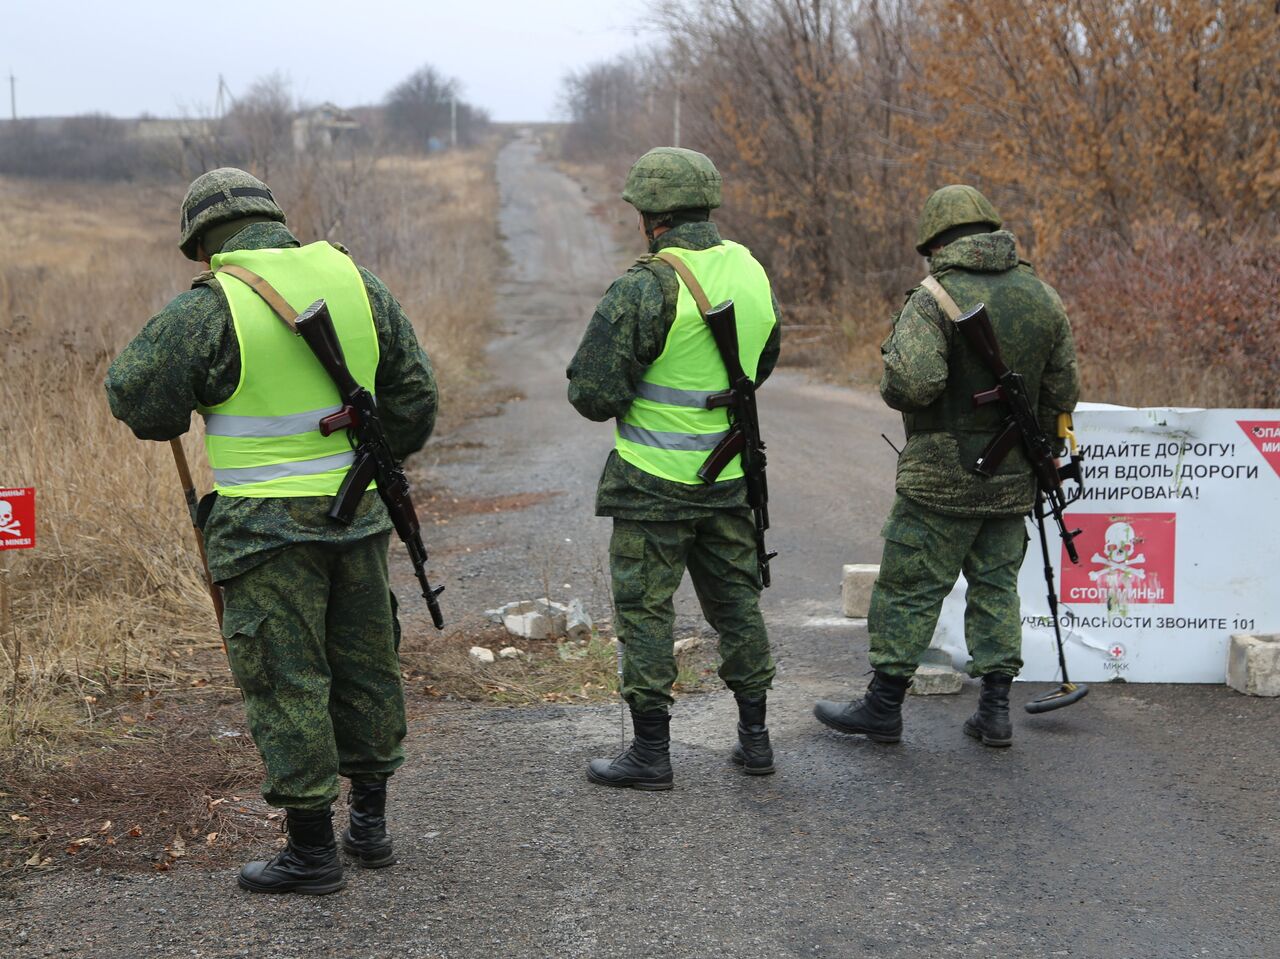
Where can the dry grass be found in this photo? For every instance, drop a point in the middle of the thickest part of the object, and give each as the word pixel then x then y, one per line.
pixel 111 604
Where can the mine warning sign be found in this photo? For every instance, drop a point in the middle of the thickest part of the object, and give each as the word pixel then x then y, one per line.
pixel 1266 437
pixel 1124 558
pixel 17 518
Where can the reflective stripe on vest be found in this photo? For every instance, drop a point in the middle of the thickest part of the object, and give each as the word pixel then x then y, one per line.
pixel 694 399
pixel 668 431
pixel 301 468
pixel 222 424
pixel 265 441
pixel 671 441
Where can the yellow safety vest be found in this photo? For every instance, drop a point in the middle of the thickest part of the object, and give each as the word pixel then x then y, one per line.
pixel 264 441
pixel 668 431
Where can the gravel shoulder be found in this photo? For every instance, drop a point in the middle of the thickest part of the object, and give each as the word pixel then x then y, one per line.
pixel 1142 823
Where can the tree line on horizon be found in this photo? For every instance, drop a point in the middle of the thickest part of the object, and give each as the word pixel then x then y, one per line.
pixel 1132 145
pixel 417 115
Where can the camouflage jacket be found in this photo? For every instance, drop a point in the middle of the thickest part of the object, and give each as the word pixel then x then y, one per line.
pixel 929 380
pixel 627 332
pixel 188 355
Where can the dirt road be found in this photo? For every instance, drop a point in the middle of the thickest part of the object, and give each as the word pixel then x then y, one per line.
pixel 1142 823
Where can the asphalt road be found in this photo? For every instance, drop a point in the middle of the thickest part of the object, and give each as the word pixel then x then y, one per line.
pixel 1141 823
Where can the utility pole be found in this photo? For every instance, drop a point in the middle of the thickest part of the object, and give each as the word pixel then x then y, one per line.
pixel 13 95
pixel 224 99
pixel 675 133
pixel 453 120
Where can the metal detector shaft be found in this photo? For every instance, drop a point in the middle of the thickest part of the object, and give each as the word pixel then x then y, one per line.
pixel 1068 692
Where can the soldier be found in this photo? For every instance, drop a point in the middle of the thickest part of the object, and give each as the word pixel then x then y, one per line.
pixel 648 361
pixel 310 623
pixel 946 519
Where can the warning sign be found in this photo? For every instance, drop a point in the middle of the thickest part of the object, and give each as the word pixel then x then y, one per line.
pixel 1124 558
pixel 1178 550
pixel 1266 437
pixel 17 518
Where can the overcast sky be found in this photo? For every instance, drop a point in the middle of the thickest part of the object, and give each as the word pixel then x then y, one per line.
pixel 135 56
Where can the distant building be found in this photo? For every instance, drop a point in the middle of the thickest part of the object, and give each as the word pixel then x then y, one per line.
pixel 322 126
pixel 155 128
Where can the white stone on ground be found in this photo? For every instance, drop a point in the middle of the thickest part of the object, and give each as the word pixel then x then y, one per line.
pixel 577 624
pixel 1253 664
pixel 480 654
pixel 855 588
pixel 533 618
pixel 933 680
pixel 688 643
pixel 509 652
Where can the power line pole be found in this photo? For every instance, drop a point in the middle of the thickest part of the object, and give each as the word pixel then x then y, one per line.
pixel 224 99
pixel 675 133
pixel 13 95
pixel 453 120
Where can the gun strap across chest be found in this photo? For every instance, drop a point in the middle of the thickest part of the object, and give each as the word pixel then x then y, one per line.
pixel 682 270
pixel 944 299
pixel 270 295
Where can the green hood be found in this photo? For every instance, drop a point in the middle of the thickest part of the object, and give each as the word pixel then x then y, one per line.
pixel 981 253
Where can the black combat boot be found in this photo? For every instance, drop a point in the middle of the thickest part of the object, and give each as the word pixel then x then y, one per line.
pixel 647 762
pixel 991 722
pixel 752 752
pixel 366 837
pixel 309 863
pixel 877 715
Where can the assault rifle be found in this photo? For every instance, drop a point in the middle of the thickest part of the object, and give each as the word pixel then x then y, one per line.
pixel 374 461
pixel 1022 425
pixel 743 438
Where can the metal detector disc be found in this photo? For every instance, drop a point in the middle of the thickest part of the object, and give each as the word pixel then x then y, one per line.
pixel 1063 696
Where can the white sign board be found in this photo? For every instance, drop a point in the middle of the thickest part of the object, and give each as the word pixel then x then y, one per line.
pixel 1180 548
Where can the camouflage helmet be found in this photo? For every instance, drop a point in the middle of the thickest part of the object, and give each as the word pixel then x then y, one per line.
pixel 670 178
pixel 950 207
pixel 219 196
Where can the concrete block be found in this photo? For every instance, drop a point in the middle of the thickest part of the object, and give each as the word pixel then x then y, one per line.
pixel 1253 664
pixel 855 588
pixel 932 680
pixel 534 618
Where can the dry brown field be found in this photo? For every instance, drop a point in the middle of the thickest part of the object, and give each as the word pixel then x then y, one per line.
pixel 110 610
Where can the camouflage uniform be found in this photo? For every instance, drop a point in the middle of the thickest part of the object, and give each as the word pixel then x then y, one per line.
pixel 662 527
pixel 321 679
pixel 946 518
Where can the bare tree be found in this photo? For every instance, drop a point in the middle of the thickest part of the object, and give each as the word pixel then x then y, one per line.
pixel 262 119
pixel 425 105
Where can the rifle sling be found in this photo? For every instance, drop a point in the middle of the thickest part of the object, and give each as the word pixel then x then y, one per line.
pixel 270 295
pixel 690 281
pixel 944 299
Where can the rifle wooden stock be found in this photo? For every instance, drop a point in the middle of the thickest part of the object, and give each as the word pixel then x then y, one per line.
pixel 720 457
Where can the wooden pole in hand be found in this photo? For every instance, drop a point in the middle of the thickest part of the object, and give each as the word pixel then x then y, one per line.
pixel 189 491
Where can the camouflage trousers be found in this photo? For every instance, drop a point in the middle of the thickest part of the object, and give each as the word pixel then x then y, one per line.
pixel 312 638
pixel 647 563
pixel 924 553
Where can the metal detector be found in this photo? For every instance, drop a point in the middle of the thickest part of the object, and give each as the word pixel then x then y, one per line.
pixel 1069 692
